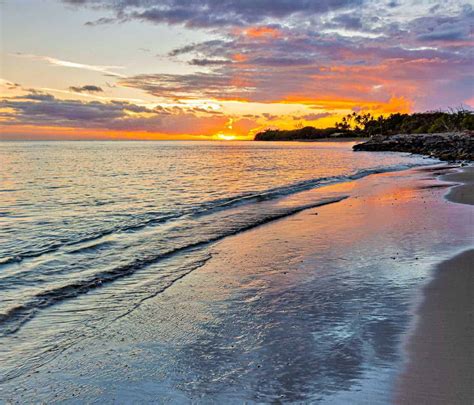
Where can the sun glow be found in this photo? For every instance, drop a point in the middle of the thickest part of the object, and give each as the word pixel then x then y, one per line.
pixel 225 137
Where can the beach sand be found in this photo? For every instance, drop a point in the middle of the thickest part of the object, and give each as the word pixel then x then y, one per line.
pixel 312 308
pixel 441 356
pixel 440 369
pixel 464 192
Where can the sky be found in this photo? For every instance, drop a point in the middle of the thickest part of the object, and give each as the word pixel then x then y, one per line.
pixel 225 69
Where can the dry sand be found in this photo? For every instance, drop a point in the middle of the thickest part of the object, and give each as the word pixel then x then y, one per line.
pixel 441 362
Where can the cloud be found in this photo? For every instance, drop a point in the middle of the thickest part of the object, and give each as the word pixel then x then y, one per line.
pixel 327 56
pixel 300 51
pixel 266 32
pixel 9 85
pixel 445 33
pixel 212 13
pixel 42 109
pixel 313 117
pixel 270 117
pixel 74 65
pixel 219 85
pixel 209 62
pixel 439 27
pixel 45 109
pixel 88 88
pixel 307 66
pixel 349 21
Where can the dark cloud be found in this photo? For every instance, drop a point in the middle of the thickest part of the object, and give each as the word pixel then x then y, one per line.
pixel 182 50
pixel 102 21
pixel 38 96
pixel 282 61
pixel 38 108
pixel 270 117
pixel 213 13
pixel 195 85
pixel 313 117
pixel 437 27
pixel 77 2
pixel 209 62
pixel 210 49
pixel 349 21
pixel 447 33
pixel 10 85
pixel 88 88
pixel 41 109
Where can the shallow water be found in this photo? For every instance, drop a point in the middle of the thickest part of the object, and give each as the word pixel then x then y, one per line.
pixel 312 308
pixel 89 230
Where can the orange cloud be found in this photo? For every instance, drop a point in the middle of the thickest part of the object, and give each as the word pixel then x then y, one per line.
pixel 239 57
pixel 394 104
pixel 262 32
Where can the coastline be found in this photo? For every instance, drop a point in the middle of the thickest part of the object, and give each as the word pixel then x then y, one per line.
pixel 440 368
pixel 462 193
pixel 311 307
pixel 447 146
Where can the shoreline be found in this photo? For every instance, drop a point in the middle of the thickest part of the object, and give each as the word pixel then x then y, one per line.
pixel 440 356
pixel 461 193
pixel 440 352
pixel 222 333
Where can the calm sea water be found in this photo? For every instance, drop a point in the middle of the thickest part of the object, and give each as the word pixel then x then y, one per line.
pixel 125 220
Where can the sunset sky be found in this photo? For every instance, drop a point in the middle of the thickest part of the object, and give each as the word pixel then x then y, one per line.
pixel 223 69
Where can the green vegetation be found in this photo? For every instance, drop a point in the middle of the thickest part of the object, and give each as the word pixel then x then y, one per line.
pixel 365 125
pixel 417 123
pixel 301 134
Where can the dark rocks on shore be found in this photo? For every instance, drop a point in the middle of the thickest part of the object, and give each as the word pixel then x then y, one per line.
pixel 450 146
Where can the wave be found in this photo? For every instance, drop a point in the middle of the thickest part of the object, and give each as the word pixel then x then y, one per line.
pixel 14 318
pixel 205 208
pixel 93 248
pixel 53 348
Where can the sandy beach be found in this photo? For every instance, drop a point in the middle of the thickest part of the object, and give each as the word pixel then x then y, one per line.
pixel 440 353
pixel 463 192
pixel 314 307
pixel 441 357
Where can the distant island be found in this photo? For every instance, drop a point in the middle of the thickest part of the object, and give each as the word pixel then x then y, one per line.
pixel 302 134
pixel 444 135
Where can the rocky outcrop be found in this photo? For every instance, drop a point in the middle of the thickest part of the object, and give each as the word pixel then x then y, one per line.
pixel 444 146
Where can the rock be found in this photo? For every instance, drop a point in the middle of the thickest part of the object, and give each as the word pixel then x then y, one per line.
pixel 451 146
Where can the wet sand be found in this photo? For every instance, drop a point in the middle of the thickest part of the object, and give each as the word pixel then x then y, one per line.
pixel 312 308
pixel 440 351
pixel 464 192
pixel 441 356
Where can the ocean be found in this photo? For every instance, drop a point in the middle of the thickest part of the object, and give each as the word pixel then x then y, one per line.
pixel 94 229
